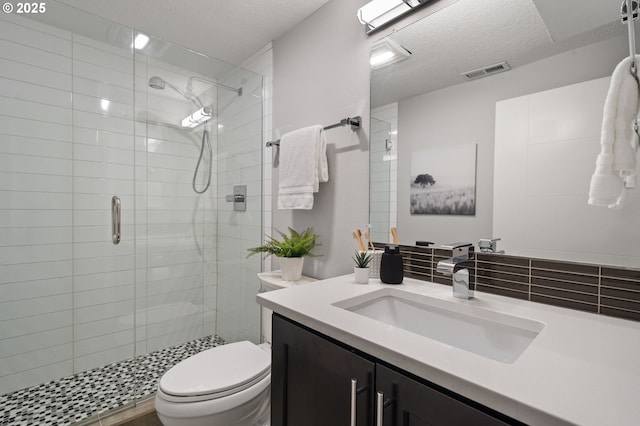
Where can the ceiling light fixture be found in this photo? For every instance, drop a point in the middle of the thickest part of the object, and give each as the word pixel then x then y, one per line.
pixel 386 52
pixel 377 13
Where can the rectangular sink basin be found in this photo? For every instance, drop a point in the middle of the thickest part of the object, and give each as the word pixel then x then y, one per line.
pixel 494 335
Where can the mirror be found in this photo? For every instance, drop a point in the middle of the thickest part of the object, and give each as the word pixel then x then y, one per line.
pixel 533 194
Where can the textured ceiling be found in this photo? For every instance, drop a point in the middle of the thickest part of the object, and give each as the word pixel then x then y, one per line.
pixel 472 34
pixel 231 30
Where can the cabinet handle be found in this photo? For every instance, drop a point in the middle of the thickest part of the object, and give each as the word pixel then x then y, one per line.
pixel 354 391
pixel 379 408
pixel 115 220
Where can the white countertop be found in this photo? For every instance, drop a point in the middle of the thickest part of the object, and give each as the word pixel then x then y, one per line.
pixel 581 369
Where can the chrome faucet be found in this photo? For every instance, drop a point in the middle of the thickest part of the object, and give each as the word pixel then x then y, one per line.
pixel 454 267
pixel 487 245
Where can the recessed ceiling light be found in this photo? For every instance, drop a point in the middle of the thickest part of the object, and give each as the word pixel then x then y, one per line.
pixel 140 41
pixel 104 104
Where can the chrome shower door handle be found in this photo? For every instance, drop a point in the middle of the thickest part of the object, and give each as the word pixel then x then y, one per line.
pixel 115 219
pixel 354 392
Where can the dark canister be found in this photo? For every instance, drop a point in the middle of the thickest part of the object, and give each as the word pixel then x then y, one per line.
pixel 391 268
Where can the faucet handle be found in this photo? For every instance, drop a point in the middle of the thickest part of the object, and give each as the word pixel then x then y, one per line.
pixel 459 251
pixel 487 245
pixel 453 246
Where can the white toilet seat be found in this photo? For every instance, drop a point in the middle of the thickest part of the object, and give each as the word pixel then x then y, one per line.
pixel 216 373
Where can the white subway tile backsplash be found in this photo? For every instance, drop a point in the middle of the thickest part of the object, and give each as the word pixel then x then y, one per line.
pixel 87 185
pixel 103 75
pixel 37 165
pixel 35 324
pixel 14 255
pixel 102 122
pixel 103 264
pixel 103 280
pixel 35 359
pixel 124 50
pixel 35 129
pixel 37 27
pixel 102 90
pixel 11 200
pixel 35 93
pixel 33 236
pixel 29 289
pixel 36 218
pixel 117 310
pixel 36 306
pixel 36 341
pixel 20 34
pixel 104 357
pixel 34 271
pixel 114 61
pixel 34 75
pixel 103 106
pixel 34 111
pixel 34 56
pixel 23 145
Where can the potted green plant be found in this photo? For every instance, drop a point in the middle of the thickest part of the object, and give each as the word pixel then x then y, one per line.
pixel 361 269
pixel 290 251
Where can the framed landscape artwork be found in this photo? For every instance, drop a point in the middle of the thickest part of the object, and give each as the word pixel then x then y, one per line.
pixel 443 180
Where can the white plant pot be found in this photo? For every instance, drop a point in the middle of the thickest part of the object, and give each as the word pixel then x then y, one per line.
pixel 361 275
pixel 291 268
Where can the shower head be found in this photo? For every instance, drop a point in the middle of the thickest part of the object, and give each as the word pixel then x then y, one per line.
pixel 159 83
pixel 156 82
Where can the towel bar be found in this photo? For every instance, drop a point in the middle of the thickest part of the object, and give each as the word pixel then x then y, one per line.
pixel 354 122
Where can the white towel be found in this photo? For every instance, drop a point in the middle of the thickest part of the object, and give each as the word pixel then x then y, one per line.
pixel 303 165
pixel 617 158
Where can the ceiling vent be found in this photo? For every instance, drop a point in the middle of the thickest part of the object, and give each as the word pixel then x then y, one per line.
pixel 486 71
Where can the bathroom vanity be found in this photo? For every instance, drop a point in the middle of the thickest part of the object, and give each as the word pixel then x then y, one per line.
pixel 346 353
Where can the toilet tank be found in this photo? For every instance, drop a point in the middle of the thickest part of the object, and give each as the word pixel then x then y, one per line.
pixel 270 281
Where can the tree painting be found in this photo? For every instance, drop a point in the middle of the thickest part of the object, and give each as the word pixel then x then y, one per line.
pixel 443 181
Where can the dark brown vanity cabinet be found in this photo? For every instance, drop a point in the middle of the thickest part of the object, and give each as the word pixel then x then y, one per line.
pixel 408 402
pixel 316 381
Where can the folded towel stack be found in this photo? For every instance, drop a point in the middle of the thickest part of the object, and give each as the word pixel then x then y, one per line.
pixel 303 165
pixel 616 164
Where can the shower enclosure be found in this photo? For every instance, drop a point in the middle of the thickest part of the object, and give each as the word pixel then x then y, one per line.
pixel 88 147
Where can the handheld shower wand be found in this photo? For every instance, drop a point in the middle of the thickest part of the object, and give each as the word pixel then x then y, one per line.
pixel 156 82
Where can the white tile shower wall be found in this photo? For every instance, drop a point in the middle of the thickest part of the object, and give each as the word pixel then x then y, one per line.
pixel 36 235
pixel 262 63
pixel 103 123
pixel 176 277
pixel 387 212
pixel 240 162
pixel 534 133
pixel 67 294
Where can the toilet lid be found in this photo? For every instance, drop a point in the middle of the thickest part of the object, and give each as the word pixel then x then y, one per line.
pixel 218 370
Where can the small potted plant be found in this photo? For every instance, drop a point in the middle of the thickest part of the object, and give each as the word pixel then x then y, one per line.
pixel 361 269
pixel 290 251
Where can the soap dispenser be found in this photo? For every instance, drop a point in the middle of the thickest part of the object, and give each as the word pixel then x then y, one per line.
pixel 391 267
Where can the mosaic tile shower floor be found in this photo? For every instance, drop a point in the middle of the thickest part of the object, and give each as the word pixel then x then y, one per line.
pixel 90 393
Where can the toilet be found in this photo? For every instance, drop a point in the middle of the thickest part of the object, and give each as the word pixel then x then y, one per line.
pixel 228 385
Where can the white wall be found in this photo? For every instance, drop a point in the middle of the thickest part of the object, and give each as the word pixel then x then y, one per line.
pixel 465 114
pixel 321 75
